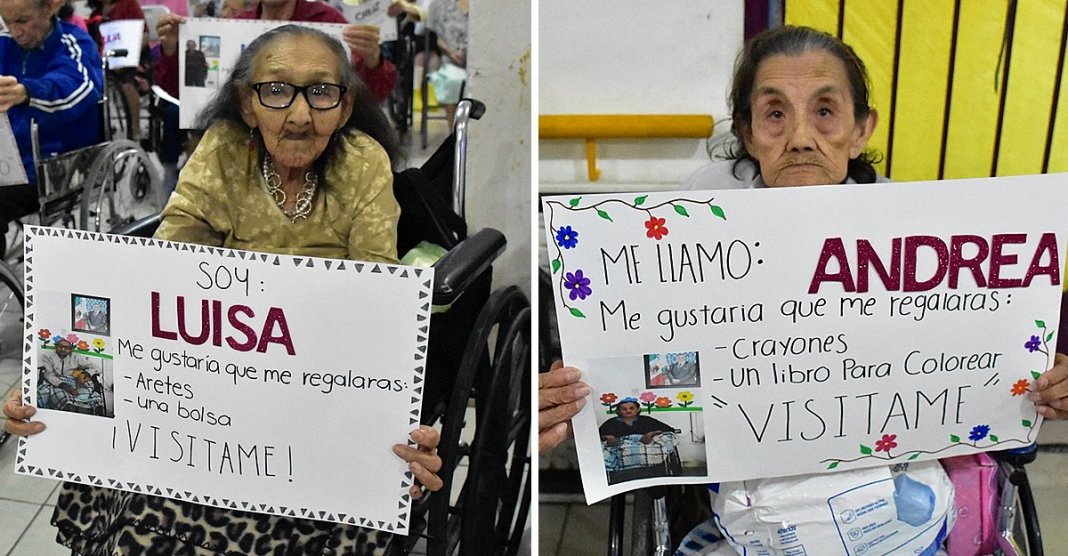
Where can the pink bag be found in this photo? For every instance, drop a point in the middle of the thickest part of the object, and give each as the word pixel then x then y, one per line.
pixel 975 480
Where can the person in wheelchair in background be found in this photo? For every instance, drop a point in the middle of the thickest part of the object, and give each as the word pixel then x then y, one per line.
pixel 130 84
pixel 50 73
pixel 801 116
pixel 296 160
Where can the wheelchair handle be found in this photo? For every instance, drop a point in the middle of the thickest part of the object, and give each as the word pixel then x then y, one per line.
pixel 467 109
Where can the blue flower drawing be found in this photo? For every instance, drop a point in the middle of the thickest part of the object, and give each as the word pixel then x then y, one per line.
pixel 979 432
pixel 566 237
pixel 578 284
pixel 1033 344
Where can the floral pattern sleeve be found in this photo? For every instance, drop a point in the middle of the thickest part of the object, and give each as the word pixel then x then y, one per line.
pixel 373 233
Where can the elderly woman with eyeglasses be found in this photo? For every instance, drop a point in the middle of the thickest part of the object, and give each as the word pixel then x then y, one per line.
pixel 295 159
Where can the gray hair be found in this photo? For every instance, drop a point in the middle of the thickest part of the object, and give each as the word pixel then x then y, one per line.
pixel 366 116
pixel 794 41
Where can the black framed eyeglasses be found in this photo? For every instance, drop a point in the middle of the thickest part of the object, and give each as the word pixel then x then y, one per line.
pixel 279 94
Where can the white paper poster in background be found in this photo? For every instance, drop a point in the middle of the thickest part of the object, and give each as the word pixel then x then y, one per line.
pixel 221 41
pixel 11 170
pixel 222 377
pixel 372 12
pixel 126 34
pixel 801 330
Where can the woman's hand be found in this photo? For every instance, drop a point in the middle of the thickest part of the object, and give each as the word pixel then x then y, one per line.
pixel 423 460
pixel 560 397
pixel 167 29
pixel 1051 390
pixel 363 39
pixel 18 415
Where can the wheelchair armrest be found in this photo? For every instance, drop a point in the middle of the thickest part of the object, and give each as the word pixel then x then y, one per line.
pixel 464 263
pixel 144 227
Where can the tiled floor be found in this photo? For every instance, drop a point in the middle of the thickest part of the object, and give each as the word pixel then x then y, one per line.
pixel 567 526
pixel 26 503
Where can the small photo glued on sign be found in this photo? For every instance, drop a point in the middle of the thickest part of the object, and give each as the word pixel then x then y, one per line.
pixel 90 314
pixel 672 370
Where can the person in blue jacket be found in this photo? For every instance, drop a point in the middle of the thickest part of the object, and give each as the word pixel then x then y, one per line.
pixel 50 72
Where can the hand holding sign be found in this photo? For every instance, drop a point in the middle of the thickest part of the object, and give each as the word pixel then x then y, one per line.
pixel 1051 390
pixel 12 92
pixel 363 39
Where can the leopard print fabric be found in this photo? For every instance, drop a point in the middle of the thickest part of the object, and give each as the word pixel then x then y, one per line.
pixel 95 521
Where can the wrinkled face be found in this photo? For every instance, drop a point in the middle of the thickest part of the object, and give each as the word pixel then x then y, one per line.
pixel 803 130
pixel 627 410
pixel 28 23
pixel 295 136
pixel 190 45
pixel 63 348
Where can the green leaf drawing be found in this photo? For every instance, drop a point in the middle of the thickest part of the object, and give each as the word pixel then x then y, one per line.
pixel 914 456
pixel 832 465
pixel 1049 336
pixel 556 265
pixel 577 313
pixel 604 215
pixel 954 438
pixel 993 438
pixel 574 202
pixel 1040 323
pixel 681 210
pixel 1035 374
pixel 865 450
pixel 1026 423
pixel 639 201
pixel 718 211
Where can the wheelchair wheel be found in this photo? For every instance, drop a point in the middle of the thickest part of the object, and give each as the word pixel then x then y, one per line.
pixel 490 509
pixel 130 189
pixel 118 110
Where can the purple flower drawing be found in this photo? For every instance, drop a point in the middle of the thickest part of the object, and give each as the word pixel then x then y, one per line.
pixel 1033 344
pixel 578 284
pixel 566 237
pixel 979 432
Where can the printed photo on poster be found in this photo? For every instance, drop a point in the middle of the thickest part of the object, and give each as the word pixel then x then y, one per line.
pixel 671 370
pixel 646 434
pixel 75 374
pixel 90 314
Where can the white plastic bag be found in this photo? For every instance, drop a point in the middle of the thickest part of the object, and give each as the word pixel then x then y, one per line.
pixel 874 511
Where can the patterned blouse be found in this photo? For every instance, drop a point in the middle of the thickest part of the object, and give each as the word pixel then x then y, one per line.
pixel 446 19
pixel 221 200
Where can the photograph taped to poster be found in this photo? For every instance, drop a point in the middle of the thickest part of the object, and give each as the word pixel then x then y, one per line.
pixel 208 48
pixel 123 34
pixel 220 377
pixel 787 331
pixel 372 12
pixel 12 172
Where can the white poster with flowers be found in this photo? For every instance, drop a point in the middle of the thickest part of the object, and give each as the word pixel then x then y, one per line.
pixel 732 335
pixel 196 373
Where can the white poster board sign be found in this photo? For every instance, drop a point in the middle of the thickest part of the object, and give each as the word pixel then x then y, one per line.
pixel 802 330
pixel 240 380
pixel 126 34
pixel 372 12
pixel 12 171
pixel 217 43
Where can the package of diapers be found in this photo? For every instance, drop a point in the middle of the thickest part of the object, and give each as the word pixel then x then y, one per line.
pixel 906 509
